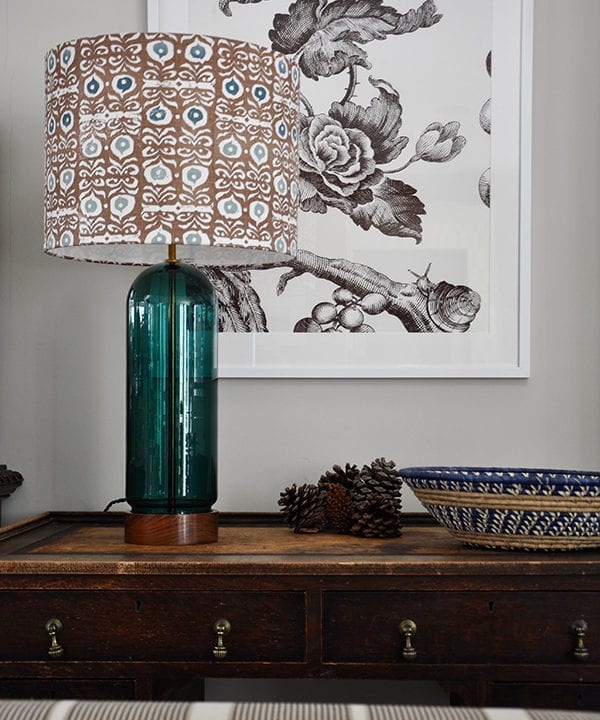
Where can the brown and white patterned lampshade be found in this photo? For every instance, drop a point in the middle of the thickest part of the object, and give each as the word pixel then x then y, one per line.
pixel 156 139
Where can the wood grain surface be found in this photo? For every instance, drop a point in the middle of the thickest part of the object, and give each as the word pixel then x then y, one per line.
pixel 94 542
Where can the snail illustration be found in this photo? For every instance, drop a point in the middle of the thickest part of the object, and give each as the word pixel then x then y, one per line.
pixel 451 308
pixel 226 10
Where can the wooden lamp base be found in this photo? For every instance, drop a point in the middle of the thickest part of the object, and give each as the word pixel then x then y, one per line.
pixel 192 529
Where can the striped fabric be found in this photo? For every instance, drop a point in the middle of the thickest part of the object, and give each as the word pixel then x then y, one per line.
pixel 95 710
pixel 26 709
pixel 290 711
pixel 140 710
pixel 558 715
pixel 418 712
pixel 126 711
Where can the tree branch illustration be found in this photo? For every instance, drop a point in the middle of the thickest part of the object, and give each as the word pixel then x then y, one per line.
pixel 352 83
pixel 421 306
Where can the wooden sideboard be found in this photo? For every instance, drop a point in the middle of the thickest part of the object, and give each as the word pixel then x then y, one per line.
pixel 495 628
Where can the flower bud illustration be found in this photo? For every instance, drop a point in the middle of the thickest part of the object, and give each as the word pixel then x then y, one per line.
pixel 439 143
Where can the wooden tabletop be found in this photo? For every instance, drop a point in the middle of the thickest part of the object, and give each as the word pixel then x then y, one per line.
pixel 59 542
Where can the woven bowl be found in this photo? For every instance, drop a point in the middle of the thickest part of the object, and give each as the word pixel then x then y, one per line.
pixel 514 508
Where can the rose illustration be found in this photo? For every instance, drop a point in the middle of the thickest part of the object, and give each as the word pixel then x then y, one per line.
pixel 342 155
pixel 337 164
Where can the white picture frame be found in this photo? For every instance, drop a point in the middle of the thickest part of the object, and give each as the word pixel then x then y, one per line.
pixel 500 347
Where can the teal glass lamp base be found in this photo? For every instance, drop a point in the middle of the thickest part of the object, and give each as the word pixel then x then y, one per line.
pixel 171 481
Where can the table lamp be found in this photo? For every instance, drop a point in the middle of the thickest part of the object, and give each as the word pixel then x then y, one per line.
pixel 171 151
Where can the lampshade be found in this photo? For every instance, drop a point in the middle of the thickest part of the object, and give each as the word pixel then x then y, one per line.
pixel 155 139
pixel 162 147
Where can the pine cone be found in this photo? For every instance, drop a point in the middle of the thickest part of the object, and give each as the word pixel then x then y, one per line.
pixel 338 507
pixel 344 476
pixel 303 508
pixel 376 517
pixel 379 478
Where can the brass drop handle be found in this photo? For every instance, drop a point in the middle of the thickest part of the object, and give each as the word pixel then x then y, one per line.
pixel 54 626
pixel 408 628
pixel 222 627
pixel 579 629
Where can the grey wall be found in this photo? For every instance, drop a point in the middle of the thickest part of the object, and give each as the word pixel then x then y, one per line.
pixel 62 324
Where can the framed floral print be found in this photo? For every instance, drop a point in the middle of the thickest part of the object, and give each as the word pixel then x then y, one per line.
pixel 413 256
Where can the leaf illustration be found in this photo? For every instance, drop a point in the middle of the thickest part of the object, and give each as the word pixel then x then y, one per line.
pixel 290 32
pixel 380 121
pixel 423 17
pixel 323 57
pixel 239 304
pixel 329 34
pixel 226 10
pixel 394 210
pixel 316 196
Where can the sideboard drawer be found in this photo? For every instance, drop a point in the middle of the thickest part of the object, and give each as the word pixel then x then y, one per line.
pixel 175 625
pixel 459 627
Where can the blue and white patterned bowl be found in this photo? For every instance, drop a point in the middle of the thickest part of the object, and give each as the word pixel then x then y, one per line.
pixel 515 508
